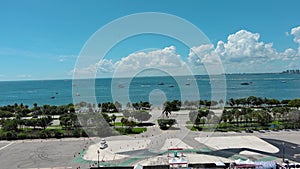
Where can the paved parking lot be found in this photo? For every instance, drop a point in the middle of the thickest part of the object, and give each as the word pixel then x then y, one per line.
pixel 41 154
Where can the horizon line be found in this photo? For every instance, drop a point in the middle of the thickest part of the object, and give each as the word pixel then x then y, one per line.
pixel 50 79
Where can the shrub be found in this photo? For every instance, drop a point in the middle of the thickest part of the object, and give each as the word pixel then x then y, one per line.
pixel 76 133
pixel 58 134
pixel 44 134
pixel 11 135
pixel 22 136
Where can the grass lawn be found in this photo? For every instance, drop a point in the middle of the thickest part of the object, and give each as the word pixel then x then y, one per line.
pixel 54 127
pixel 139 130
pixel 117 124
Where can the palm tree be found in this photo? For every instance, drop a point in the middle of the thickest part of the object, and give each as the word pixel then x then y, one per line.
pixel 123 121
pixel 167 110
pixel 113 118
pixel 236 113
pixel 231 102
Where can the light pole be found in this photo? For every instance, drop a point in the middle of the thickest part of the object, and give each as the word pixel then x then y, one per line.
pixel 98 157
pixel 283 149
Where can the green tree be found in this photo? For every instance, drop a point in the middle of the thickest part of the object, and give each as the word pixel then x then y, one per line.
pixel 165 124
pixel 294 103
pixel 4 113
pixel 44 122
pixel 113 118
pixel 167 110
pixel 231 102
pixel 10 125
pixel 264 118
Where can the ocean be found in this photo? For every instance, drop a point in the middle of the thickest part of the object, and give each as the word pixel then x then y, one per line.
pixel 153 89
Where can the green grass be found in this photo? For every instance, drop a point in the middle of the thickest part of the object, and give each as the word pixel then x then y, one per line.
pixel 54 127
pixel 139 130
pixel 117 124
pixel 125 131
pixel 188 122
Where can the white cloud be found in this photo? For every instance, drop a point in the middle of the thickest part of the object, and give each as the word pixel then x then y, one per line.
pixel 243 51
pixel 287 33
pixel 105 66
pixel 165 59
pixel 200 54
pixel 63 58
pixel 244 46
pixel 289 54
pixel 25 76
pixel 296 33
pixel 293 65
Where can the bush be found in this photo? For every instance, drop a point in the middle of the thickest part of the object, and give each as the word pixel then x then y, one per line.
pixel 84 134
pixel 11 135
pixel 76 133
pixel 44 134
pixel 58 134
pixel 199 128
pixel 22 136
pixel 224 125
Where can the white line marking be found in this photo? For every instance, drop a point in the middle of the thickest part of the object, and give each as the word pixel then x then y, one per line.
pixel 6 145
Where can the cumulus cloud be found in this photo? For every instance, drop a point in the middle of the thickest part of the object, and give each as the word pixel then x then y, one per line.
pixel 201 54
pixel 103 66
pixel 244 46
pixel 166 59
pixel 296 33
pixel 243 49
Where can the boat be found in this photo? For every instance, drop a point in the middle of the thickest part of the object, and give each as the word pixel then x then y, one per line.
pixel 246 83
pixel 161 83
pixel 121 86
pixel 283 81
pixel 52 97
pixel 171 85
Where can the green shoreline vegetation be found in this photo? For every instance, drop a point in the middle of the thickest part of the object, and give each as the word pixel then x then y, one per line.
pixel 250 114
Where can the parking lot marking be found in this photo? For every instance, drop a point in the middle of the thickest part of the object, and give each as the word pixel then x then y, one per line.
pixel 6 145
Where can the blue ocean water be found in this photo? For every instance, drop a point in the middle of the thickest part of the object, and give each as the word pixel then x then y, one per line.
pixel 58 92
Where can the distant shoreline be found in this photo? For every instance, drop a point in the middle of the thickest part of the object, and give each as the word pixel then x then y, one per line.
pixel 70 79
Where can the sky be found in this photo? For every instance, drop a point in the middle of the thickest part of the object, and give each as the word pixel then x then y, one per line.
pixel 43 39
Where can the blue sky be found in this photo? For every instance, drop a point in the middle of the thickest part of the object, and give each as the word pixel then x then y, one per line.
pixel 42 39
